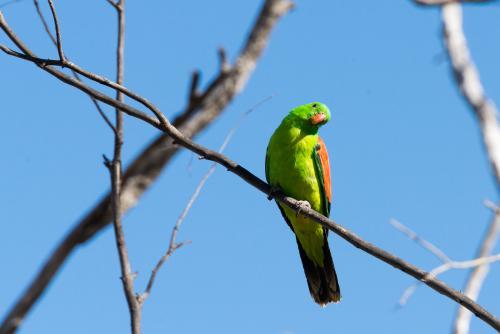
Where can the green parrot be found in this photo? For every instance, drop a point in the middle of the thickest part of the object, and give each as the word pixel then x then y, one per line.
pixel 297 165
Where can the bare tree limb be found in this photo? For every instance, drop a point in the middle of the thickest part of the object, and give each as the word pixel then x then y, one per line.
pixel 44 22
pixel 115 169
pixel 448 264
pixel 58 32
pixel 163 124
pixel 173 245
pixel 145 169
pixel 75 74
pixel 114 4
pixel 421 241
pixel 194 93
pixel 468 81
pixel 478 275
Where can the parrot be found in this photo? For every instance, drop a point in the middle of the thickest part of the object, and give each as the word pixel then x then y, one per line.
pixel 297 165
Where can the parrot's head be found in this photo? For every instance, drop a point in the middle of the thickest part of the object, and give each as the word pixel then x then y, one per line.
pixel 311 116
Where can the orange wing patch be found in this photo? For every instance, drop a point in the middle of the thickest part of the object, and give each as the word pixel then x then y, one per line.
pixel 325 166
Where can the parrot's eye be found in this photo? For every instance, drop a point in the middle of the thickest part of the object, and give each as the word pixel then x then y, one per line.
pixel 314 105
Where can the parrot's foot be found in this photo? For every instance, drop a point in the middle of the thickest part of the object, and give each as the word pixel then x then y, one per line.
pixel 272 192
pixel 301 205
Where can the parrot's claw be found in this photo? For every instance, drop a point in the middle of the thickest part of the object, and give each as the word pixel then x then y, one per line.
pixel 301 205
pixel 272 192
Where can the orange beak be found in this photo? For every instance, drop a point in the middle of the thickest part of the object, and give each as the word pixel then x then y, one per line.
pixel 317 119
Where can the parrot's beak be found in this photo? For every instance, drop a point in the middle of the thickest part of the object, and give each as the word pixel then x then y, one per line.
pixel 317 119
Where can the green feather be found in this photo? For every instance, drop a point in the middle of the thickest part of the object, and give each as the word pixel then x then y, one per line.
pixel 291 166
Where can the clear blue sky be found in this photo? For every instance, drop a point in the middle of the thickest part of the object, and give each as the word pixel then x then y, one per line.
pixel 402 142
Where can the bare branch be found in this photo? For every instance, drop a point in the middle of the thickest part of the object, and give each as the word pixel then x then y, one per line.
pixel 468 81
pixel 75 74
pixel 58 32
pixel 422 242
pixel 164 125
pixel 478 275
pixel 114 4
pixel 194 94
pixel 39 61
pixel 147 166
pixel 173 245
pixel 44 22
pixel 475 263
pixel 484 258
pixel 115 170
pixel 224 66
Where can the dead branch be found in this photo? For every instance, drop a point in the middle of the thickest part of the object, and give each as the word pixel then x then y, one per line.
pixel 145 169
pixel 421 241
pixel 478 275
pixel 58 32
pixel 115 169
pixel 76 75
pixel 467 78
pixel 173 245
pixel 448 264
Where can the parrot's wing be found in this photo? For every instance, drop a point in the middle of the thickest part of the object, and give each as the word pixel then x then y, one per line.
pixel 322 165
pixel 279 206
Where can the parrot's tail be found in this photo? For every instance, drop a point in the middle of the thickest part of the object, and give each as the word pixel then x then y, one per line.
pixel 322 281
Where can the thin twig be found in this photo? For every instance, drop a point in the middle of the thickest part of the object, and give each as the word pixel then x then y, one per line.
pixel 475 263
pixel 114 4
pixel 58 32
pixel 164 125
pixel 422 242
pixel 194 93
pixel 224 66
pixel 448 264
pixel 134 306
pixel 146 168
pixel 44 22
pixel 75 74
pixel 173 245
pixel 39 61
pixel 477 276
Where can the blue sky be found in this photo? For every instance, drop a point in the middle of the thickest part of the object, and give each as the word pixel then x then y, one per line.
pixel 402 144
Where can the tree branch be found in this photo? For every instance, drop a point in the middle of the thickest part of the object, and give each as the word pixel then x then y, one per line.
pixel 58 32
pixel 483 259
pixel 115 169
pixel 478 275
pixel 163 124
pixel 421 241
pixel 145 169
pixel 470 86
pixel 76 75
pixel 173 245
